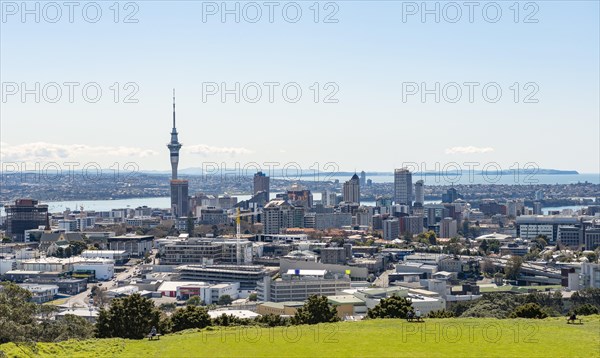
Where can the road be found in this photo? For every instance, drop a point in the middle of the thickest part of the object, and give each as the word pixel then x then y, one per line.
pixel 82 299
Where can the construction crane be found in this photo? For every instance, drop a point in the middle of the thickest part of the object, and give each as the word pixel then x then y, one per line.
pixel 238 234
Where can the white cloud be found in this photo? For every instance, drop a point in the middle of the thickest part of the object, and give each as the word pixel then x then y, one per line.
pixel 42 152
pixel 469 150
pixel 203 149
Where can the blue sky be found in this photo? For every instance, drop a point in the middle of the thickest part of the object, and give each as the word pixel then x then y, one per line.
pixel 369 55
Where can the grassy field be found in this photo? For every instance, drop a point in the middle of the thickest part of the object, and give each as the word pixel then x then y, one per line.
pixel 551 337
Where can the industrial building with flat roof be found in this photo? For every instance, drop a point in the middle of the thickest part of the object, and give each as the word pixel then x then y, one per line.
pixel 247 276
pixel 299 285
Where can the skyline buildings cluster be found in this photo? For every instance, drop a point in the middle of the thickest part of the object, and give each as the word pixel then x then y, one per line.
pixel 180 199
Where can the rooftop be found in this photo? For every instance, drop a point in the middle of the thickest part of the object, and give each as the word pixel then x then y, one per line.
pixel 236 313
pixel 172 285
pixel 345 299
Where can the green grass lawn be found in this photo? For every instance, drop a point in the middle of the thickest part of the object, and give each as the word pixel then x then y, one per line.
pixel 462 337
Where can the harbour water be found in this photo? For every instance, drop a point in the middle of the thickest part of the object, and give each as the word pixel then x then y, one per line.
pixel 164 202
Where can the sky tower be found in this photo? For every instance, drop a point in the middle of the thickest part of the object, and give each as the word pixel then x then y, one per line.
pixel 174 145
pixel 179 188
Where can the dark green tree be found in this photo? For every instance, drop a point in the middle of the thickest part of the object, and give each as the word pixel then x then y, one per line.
pixel 131 317
pixel 224 300
pixel 231 320
pixel 316 310
pixel 17 314
pixel 253 297
pixel 194 301
pixel 540 242
pixel 167 307
pixel 484 246
pixel 513 267
pixel 586 310
pixel 272 320
pixel 494 246
pixel 391 307
pixel 69 327
pixel 587 295
pixel 190 317
pixel 528 310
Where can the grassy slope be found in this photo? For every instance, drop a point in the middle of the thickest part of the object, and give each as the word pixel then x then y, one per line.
pixel 376 338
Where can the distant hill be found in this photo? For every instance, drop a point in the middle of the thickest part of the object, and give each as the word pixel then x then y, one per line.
pixel 310 172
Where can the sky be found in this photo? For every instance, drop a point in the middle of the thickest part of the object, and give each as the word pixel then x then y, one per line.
pixel 353 83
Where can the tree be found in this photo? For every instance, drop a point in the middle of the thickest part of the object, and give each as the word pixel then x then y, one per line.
pixel 131 317
pixel 494 246
pixel 224 300
pixel 592 256
pixel 24 321
pixel 540 242
pixel 253 297
pixel 272 320
pixel 17 314
pixel 529 310
pixel 551 302
pixel 493 305
pixel 190 317
pixel 167 307
pixel 391 307
pixel 586 310
pixel 194 301
pixel 231 320
pixel 484 246
pixel 587 295
pixel 513 267
pixel 487 267
pixel 69 327
pixel 316 310
pixel 99 296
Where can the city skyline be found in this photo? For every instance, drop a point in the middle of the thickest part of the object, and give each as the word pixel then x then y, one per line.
pixel 233 132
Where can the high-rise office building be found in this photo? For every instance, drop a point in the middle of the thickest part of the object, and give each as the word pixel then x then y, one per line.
pixel 277 216
pixel 448 228
pixel 419 193
pixel 412 225
pixel 351 190
pixel 179 188
pixel 261 183
pixel 328 198
pixel 391 229
pixel 363 178
pixel 539 195
pixel 298 195
pixel 451 195
pixel 179 197
pixel 25 214
pixel 537 208
pixel 403 186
